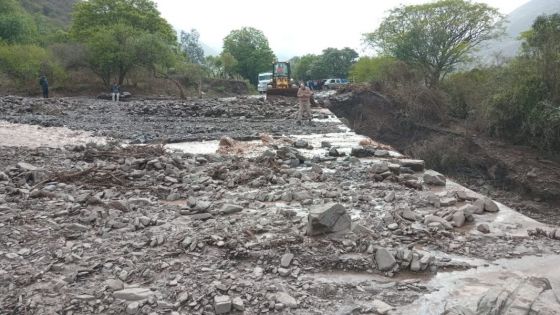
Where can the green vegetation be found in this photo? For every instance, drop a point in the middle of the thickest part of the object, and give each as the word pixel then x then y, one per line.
pixel 435 37
pixel 331 63
pixel 16 25
pixel 250 49
pixel 372 69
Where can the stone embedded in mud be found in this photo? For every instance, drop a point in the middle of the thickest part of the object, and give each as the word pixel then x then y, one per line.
pixel 458 310
pixel 301 144
pixel 325 144
pixel 286 260
pixel 415 165
pixel 114 284
pixel 328 218
pixel 238 304
pixel 379 167
pixel 381 307
pixel 201 216
pixel 132 308
pixel 483 228
pixel 361 152
pixel 286 299
pixel 229 209
pixel 458 218
pixel 434 218
pixel 27 167
pixel 490 205
pixel 384 259
pixel 390 196
pixel 133 294
pixel 434 178
pixel 4 177
pixel 222 304
pixel 381 153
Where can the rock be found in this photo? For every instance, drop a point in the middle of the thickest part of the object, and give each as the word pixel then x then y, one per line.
pixel 114 284
pixel 238 304
pixel 229 209
pixel 132 308
pixel 328 218
pixel 384 259
pixel 4 177
pixel 389 197
pixel 133 294
pixel 490 205
pixel 458 218
pixel 393 226
pixel 301 144
pixel 381 307
pixel 379 167
pixel 381 153
pixel 415 165
pixel 27 167
pixel 557 234
pixel 447 201
pixel 325 144
pixel 183 297
pixel 478 206
pixel 334 152
pixel 515 297
pixel 434 178
pixel 258 272
pixel 362 152
pixel 483 228
pixel 286 260
pixel 121 205
pixel 284 272
pixel 222 304
pixel 409 215
pixel 286 299
pixel 434 218
pixel 349 310
pixel 201 216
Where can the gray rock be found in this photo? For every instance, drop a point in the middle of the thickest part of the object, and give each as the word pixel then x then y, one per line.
pixel 286 299
pixel 381 153
pixel 393 226
pixel 229 209
pixel 381 307
pixel 415 165
pixel 458 218
pixel 361 152
pixel 379 167
pixel 389 197
pixel 434 218
pixel 515 297
pixel 490 205
pixel 114 284
pixel 201 216
pixel 409 215
pixel 301 144
pixel 27 167
pixel 434 178
pixel 222 304
pixel 458 310
pixel 286 260
pixel 478 206
pixel 447 201
pixel 284 272
pixel 133 294
pixel 384 259
pixel 483 228
pixel 328 218
pixel 238 304
pixel 132 308
pixel 325 144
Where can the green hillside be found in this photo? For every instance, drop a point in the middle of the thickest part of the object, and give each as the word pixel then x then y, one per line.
pixel 57 13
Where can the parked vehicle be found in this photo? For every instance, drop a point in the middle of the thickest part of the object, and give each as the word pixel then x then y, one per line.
pixel 264 79
pixel 334 83
pixel 282 83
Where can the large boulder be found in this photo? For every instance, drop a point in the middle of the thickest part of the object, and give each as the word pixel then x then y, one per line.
pixel 328 218
pixel 384 259
pixel 434 178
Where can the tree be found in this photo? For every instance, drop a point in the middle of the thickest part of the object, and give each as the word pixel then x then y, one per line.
pixel 121 35
pixel 337 62
pixel 302 67
pixel 250 48
pixel 437 36
pixel 16 26
pixel 369 69
pixel 191 47
pixel 542 44
pixel 24 62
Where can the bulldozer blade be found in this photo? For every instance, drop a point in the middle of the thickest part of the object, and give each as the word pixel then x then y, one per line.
pixel 291 92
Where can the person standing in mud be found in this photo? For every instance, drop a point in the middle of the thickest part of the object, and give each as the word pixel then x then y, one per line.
pixel 44 83
pixel 115 91
pixel 304 97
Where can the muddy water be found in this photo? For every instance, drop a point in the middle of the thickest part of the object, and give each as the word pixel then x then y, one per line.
pixel 466 287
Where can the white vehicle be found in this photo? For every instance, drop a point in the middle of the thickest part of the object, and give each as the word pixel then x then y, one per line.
pixel 264 80
pixel 333 83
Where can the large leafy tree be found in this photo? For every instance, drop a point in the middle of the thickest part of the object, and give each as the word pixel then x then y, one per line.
pixel 122 35
pixel 16 26
pixel 302 66
pixel 189 43
pixel 436 36
pixel 250 48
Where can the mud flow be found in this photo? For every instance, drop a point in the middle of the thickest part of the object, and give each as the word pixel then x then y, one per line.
pixel 228 206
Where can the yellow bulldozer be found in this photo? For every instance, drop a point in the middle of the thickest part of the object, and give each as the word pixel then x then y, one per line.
pixel 281 81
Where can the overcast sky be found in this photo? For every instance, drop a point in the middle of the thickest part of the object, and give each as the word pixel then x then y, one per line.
pixel 293 28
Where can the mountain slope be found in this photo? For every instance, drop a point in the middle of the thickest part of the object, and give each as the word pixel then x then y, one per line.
pixel 55 12
pixel 518 21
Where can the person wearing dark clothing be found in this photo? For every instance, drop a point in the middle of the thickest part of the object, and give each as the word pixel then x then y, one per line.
pixel 44 83
pixel 115 91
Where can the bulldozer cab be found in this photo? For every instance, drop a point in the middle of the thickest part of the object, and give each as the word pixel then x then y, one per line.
pixel 281 80
pixel 281 75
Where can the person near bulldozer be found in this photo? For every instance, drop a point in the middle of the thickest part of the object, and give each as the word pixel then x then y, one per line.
pixel 304 100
